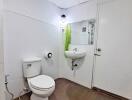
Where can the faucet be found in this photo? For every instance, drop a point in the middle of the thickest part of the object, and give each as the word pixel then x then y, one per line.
pixel 75 49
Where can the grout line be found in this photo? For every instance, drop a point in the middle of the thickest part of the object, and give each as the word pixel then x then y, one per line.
pixel 77 4
pixel 28 16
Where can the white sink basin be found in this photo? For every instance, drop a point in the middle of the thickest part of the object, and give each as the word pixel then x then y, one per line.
pixel 75 54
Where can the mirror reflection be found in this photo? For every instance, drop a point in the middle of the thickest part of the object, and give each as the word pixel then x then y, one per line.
pixel 82 33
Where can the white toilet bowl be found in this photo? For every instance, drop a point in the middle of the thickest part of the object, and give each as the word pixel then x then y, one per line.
pixel 42 87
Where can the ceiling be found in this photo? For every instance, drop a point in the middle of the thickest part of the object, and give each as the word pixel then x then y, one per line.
pixel 67 3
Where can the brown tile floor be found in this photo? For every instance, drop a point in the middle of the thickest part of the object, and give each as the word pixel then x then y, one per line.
pixel 25 97
pixel 67 90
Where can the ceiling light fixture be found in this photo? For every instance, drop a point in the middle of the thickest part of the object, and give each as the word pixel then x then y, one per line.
pixel 63 21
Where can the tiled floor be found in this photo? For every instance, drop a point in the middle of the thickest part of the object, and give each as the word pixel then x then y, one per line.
pixel 67 90
pixel 25 97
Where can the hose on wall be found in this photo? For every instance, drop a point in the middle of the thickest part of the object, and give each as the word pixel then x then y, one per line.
pixel 26 90
pixel 6 86
pixel 20 95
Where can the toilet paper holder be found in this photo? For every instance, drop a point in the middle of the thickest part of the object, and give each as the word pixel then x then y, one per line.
pixel 48 55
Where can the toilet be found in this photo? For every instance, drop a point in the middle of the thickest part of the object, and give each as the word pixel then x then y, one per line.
pixel 42 86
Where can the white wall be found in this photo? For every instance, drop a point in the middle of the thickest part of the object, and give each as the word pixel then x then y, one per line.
pixel 30 27
pixel 84 73
pixel 38 9
pixel 2 96
pixel 82 12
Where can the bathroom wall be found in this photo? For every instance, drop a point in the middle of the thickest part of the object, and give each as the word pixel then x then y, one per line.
pixel 81 12
pixel 83 74
pixel 41 10
pixel 30 28
pixel 2 96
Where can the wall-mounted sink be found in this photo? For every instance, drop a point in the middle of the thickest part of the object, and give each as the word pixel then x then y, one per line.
pixel 75 54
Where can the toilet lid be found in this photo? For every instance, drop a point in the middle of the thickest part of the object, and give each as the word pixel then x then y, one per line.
pixel 42 82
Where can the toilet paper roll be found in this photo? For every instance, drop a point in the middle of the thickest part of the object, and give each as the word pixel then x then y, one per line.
pixel 48 55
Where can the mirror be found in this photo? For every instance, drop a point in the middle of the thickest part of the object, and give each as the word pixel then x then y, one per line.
pixel 82 33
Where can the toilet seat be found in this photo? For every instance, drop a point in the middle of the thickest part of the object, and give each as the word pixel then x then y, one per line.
pixel 42 82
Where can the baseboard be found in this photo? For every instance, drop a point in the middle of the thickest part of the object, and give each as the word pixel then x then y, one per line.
pixel 109 93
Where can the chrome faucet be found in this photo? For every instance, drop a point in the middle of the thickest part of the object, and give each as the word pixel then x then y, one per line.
pixel 75 49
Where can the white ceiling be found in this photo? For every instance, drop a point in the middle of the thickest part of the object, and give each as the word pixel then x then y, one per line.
pixel 67 3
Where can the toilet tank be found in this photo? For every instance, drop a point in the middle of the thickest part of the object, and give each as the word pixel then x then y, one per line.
pixel 31 67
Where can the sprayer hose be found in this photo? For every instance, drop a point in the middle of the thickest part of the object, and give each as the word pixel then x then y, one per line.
pixel 12 95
